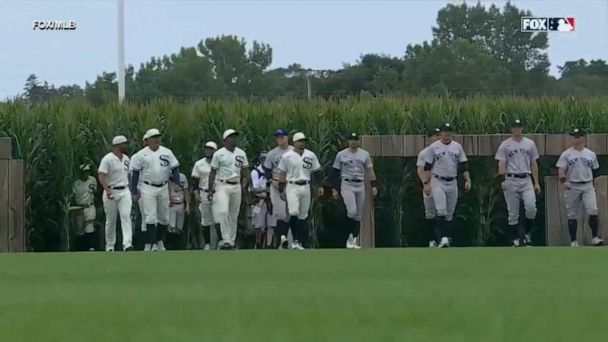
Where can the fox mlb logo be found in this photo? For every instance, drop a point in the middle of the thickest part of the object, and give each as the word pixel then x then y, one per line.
pixel 542 24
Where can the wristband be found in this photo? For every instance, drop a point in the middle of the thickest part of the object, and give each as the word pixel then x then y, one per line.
pixel 425 182
pixel 562 180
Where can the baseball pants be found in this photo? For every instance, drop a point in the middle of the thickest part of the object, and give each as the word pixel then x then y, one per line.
pixel 298 200
pixel 445 197
pixel 261 216
pixel 156 204
pixel 119 205
pixel 177 216
pixel 279 207
pixel 582 193
pixel 140 204
pixel 226 206
pixel 516 190
pixel 353 195
pixel 206 209
pixel 86 221
pixel 429 206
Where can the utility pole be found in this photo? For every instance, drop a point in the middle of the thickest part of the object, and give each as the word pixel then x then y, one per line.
pixel 121 51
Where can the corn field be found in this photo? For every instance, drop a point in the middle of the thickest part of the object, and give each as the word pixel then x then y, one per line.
pixel 55 138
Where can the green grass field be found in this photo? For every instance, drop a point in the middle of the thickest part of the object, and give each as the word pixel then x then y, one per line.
pixel 481 294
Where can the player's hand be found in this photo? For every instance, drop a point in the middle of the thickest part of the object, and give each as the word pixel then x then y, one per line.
pixel 136 197
pixel 427 189
pixel 374 191
pixel 109 194
pixel 567 186
pixel 537 188
pixel 467 186
pixel 320 191
pixel 197 196
pixel 503 185
pixel 210 195
pixel 187 210
pixel 283 196
pixel 334 194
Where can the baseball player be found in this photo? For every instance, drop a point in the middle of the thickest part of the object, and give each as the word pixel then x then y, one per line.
pixel 577 168
pixel 264 222
pixel 427 200
pixel 84 190
pixel 114 178
pixel 155 165
pixel 200 178
pixel 517 157
pixel 230 165
pixel 271 167
pixel 351 167
pixel 296 179
pixel 444 161
pixel 140 201
pixel 179 206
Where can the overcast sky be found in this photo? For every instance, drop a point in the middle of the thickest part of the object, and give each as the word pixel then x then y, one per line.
pixel 316 34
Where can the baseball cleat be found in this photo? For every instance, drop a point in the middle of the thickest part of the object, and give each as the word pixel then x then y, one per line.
pixel 109 249
pixel 445 243
pixel 154 248
pixel 147 247
pixel 129 249
pixel 516 243
pixel 226 246
pixel 160 245
pixel 596 241
pixel 355 243
pixel 574 244
pixel 91 249
pixel 284 242
pixel 207 247
pixel 528 239
pixel 297 246
pixel 432 244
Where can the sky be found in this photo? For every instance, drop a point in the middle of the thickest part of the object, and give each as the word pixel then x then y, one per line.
pixel 316 34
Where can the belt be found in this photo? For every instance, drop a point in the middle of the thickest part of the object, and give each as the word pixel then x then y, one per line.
pixel 299 182
pixel 353 180
pixel 117 187
pixel 160 185
pixel 447 179
pixel 580 182
pixel 518 175
pixel 177 202
pixel 228 182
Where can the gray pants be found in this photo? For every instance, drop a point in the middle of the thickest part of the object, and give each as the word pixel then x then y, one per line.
pixel 429 207
pixel 515 190
pixel 354 196
pixel 580 193
pixel 445 197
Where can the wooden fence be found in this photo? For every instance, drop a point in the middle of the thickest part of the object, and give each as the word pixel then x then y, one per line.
pixel 12 200
pixel 486 145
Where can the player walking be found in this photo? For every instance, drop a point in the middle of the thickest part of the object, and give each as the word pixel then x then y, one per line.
pixel 578 167
pixel 230 165
pixel 114 178
pixel 444 161
pixel 200 180
pixel 427 199
pixel 84 190
pixel 155 165
pixel 517 157
pixel 263 219
pixel 351 167
pixel 296 179
pixel 179 199
pixel 271 167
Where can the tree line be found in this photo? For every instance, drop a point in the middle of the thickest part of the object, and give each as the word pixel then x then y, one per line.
pixel 475 49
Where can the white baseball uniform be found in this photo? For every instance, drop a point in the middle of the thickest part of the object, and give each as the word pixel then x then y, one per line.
pixel 262 216
pixel 427 199
pixel 117 171
pixel 228 192
pixel 578 167
pixel 140 201
pixel 352 167
pixel 298 170
pixel 84 195
pixel 279 207
pixel 177 205
pixel 201 171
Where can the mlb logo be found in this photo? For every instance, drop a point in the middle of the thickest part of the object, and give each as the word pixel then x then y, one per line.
pixel 563 24
pixel 534 24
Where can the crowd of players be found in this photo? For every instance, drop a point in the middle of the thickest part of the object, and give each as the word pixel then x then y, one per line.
pixel 282 183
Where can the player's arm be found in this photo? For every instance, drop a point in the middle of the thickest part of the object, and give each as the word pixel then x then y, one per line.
pixel 463 168
pixel 187 198
pixel 501 156
pixel 314 181
pixel 195 188
pixel 370 174
pixel 534 166
pixel 267 166
pixel 595 168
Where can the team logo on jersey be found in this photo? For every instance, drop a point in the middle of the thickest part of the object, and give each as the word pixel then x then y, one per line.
pixel 126 164
pixel 239 161
pixel 307 163
pixel 164 160
pixel 92 188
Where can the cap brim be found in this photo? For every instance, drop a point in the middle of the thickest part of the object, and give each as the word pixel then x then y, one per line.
pixel 302 139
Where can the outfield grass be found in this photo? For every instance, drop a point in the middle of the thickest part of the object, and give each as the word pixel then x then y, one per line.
pixel 482 294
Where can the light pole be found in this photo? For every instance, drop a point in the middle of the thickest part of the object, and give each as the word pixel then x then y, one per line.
pixel 121 51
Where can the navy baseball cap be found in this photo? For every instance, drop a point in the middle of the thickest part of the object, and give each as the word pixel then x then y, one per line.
pixel 433 131
pixel 517 123
pixel 577 133
pixel 280 133
pixel 446 127
pixel 353 136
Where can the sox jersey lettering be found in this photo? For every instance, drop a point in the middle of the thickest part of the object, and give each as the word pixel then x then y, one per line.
pixel 517 155
pixel 201 170
pixel 445 158
pixel 299 167
pixel 116 169
pixel 579 165
pixel 155 166
pixel 84 191
pixel 229 164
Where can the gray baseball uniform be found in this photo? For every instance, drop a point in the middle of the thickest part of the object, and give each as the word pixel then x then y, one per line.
pixel 578 167
pixel 352 168
pixel 279 207
pixel 427 200
pixel 444 187
pixel 518 158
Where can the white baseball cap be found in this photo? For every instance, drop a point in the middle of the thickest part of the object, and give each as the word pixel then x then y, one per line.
pixel 145 137
pixel 299 136
pixel 228 133
pixel 85 167
pixel 211 144
pixel 119 139
pixel 152 132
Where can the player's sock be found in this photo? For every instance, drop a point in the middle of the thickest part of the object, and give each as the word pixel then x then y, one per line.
pixel 283 228
pixel 152 239
pixel 440 226
pixel 529 225
pixel 448 228
pixel 514 231
pixel 436 233
pixel 303 232
pixel 162 232
pixel 572 225
pixel 593 225
pixel 218 232
pixel 90 240
pixel 356 228
pixel 295 230
pixel 206 234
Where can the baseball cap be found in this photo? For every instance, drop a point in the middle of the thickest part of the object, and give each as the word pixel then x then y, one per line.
pixel 577 132
pixel 299 136
pixel 145 137
pixel 516 123
pixel 263 154
pixel 433 131
pixel 446 127
pixel 211 144
pixel 280 133
pixel 228 133
pixel 152 132
pixel 353 136
pixel 85 167
pixel 119 139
